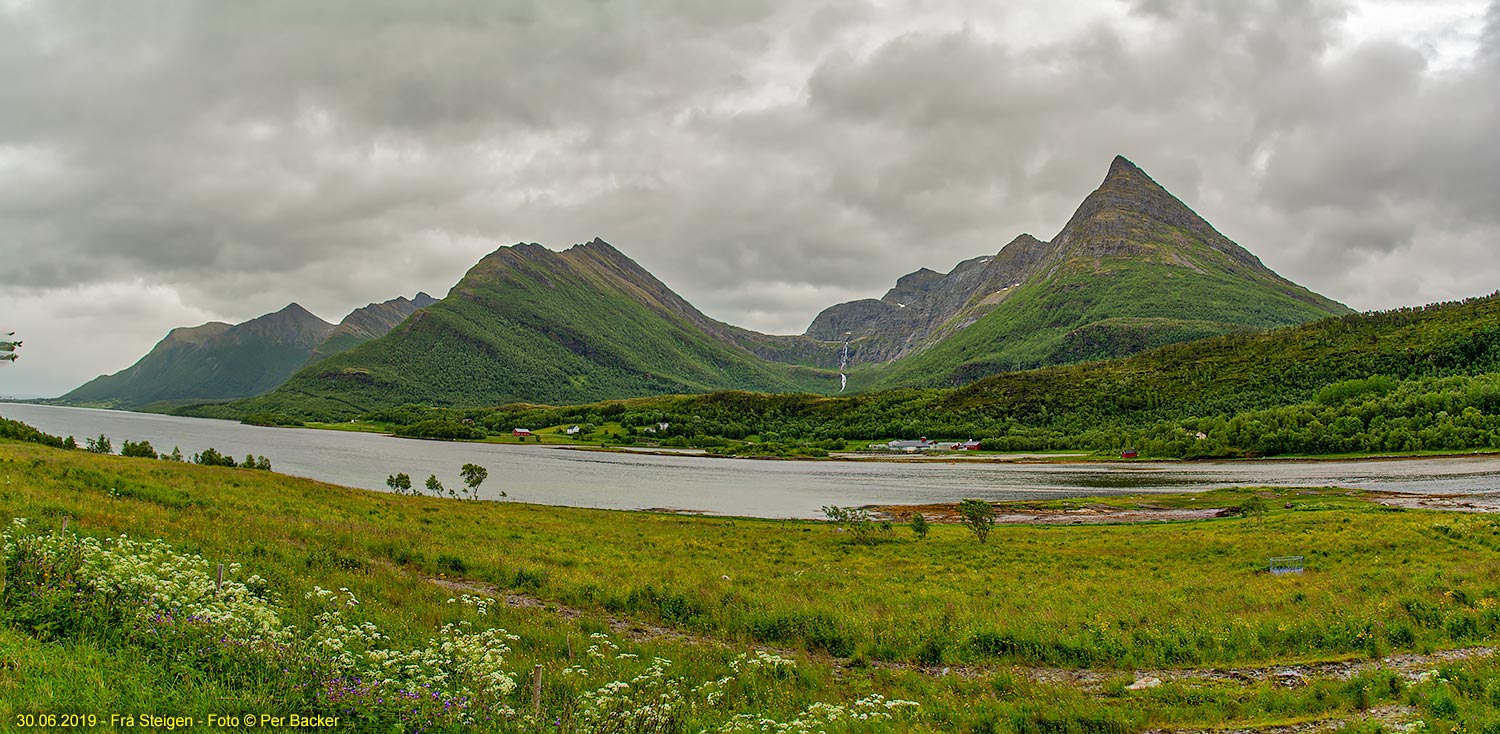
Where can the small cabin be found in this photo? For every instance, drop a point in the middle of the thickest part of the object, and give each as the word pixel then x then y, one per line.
pixel 1129 454
pixel 573 430
pixel 521 432
pixel 969 445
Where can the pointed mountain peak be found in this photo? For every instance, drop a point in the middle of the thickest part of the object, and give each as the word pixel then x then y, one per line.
pixel 1129 183
pixel 292 324
pixel 1132 215
pixel 1121 166
pixel 294 310
pixel 422 300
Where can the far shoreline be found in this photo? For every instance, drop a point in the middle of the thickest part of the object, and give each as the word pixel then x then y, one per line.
pixel 1080 457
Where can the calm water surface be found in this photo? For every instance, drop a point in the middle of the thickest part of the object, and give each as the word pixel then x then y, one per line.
pixel 746 487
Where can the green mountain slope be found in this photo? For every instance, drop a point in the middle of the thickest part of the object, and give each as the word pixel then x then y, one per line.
pixel 1133 269
pixel 529 324
pixel 211 362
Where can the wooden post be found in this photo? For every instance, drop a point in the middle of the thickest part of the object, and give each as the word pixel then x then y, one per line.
pixel 65 524
pixel 569 640
pixel 219 585
pixel 536 691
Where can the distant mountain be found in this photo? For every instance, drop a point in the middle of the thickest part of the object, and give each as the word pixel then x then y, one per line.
pixel 217 361
pixel 527 324
pixel 369 322
pixel 1134 268
pixel 214 361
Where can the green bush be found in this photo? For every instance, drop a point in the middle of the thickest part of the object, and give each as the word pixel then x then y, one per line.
pixel 139 449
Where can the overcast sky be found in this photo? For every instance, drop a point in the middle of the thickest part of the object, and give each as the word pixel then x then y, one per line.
pixel 169 163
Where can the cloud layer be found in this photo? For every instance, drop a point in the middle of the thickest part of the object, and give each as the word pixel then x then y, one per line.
pixel 168 163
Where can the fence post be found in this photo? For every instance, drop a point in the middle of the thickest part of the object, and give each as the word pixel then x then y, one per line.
pixel 219 585
pixel 536 691
pixel 65 525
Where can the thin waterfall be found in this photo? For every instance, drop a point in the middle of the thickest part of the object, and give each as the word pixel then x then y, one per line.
pixel 844 363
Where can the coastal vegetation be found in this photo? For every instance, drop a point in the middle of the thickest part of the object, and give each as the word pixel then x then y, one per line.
pixel 861 624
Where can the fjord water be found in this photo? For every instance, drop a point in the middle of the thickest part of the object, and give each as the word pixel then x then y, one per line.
pixel 742 487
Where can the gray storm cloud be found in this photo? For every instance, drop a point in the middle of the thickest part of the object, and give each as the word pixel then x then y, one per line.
pixel 167 163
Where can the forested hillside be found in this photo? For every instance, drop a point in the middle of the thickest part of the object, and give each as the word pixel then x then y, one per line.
pixel 1405 380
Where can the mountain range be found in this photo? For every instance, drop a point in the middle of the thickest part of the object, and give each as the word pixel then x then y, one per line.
pixel 1133 269
pixel 219 361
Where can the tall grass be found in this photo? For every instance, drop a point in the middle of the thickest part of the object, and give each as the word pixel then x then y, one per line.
pixel 857 619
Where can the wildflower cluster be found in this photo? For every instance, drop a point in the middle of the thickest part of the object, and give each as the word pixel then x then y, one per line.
pixel 61 585
pixel 650 702
pixel 654 701
pixel 818 717
pixel 455 679
pixel 769 663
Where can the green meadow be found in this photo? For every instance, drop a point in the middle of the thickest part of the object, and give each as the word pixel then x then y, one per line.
pixel 658 622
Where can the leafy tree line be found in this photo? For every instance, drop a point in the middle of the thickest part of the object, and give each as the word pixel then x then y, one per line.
pixel 473 475
pixel 19 431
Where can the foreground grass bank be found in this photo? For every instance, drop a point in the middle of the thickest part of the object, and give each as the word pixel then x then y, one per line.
pixel 857 619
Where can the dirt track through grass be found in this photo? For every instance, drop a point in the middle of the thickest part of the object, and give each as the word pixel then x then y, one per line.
pixel 1412 667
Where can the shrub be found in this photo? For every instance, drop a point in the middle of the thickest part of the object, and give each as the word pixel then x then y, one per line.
pixel 474 475
pixel 139 449
pixel 979 516
pixel 855 520
pixel 399 483
pixel 211 457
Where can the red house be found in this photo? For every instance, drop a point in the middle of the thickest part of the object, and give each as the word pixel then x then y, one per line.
pixel 1128 454
pixel 522 432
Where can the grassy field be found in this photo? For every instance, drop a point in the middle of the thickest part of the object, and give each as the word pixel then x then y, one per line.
pixel 855 620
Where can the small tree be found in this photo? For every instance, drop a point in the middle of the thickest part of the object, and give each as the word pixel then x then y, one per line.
pixel 69 443
pixel 853 519
pixel 1254 506
pixel 212 457
pixel 979 516
pixel 918 525
pixel 474 475
pixel 399 483
pixel 100 445
pixel 176 454
pixel 434 486
pixel 140 449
